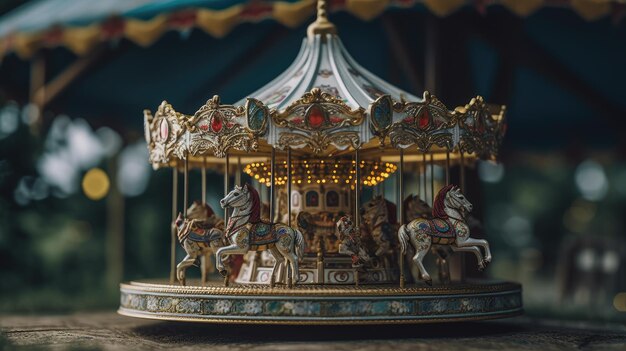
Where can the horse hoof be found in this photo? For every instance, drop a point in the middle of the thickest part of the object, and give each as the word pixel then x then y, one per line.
pixel 429 282
pixel 224 273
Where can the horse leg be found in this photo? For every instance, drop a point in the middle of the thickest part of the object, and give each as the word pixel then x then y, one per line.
pixel 473 249
pixel 293 265
pixel 182 267
pixel 477 242
pixel 442 264
pixel 278 262
pixel 205 263
pixel 287 249
pixel 422 246
pixel 227 250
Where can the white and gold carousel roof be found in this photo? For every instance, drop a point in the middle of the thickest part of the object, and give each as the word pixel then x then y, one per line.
pixel 323 103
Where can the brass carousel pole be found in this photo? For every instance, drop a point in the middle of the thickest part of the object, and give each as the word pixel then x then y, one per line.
pixel 272 178
pixel 186 186
pixel 432 179
pixel 447 167
pixel 462 176
pixel 442 254
pixel 173 231
pixel 238 174
pixel 401 191
pixel 226 187
pixel 289 186
pixel 204 267
pixel 357 197
pixel 185 191
pixel 382 183
pixel 203 175
pixel 424 176
pixel 357 202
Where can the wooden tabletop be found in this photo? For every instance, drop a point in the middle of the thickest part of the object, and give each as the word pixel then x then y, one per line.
pixel 109 331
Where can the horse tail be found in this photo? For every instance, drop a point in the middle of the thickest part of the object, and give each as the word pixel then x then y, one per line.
pixel 403 237
pixel 300 244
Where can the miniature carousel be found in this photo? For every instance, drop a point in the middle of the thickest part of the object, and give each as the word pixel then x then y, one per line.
pixel 332 149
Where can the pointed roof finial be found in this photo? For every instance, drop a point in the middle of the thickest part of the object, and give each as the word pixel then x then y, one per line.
pixel 321 25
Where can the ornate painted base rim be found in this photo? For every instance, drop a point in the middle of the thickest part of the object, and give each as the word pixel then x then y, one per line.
pixel 321 304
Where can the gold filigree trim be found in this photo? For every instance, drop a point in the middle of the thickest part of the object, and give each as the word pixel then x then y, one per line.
pixel 217 288
pixel 317 120
pixel 163 133
pixel 423 124
pixel 482 129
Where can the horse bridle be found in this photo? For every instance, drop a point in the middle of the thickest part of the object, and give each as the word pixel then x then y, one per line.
pixel 459 209
pixel 236 229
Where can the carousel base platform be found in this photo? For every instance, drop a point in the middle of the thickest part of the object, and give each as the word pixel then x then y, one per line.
pixel 320 304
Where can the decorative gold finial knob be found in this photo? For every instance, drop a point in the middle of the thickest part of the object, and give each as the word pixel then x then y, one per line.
pixel 321 25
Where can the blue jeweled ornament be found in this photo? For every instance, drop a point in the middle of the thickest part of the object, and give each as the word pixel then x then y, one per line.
pixel 382 112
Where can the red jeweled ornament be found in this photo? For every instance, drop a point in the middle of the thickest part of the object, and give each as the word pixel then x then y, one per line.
pixel 216 123
pixel 315 116
pixel 423 119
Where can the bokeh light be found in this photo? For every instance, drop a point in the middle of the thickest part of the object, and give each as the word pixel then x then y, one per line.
pixel 591 180
pixel 619 302
pixel 490 172
pixel 133 171
pixel 96 184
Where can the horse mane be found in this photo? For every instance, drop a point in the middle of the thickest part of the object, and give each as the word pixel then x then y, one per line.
pixel 209 210
pixel 439 206
pixel 255 214
pixel 392 213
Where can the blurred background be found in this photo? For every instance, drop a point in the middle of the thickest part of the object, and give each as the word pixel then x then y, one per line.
pixel 81 209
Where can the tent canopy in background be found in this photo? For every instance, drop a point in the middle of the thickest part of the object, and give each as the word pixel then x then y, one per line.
pixel 81 24
pixel 560 75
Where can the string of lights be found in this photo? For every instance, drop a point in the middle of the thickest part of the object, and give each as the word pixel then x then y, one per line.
pixel 318 171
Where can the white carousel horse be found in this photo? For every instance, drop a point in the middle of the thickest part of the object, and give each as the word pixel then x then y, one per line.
pixel 350 242
pixel 200 234
pixel 246 232
pixel 379 217
pixel 448 227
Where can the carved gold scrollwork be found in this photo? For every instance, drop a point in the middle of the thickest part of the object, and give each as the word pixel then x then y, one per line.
pixel 213 129
pixel 318 141
pixel 216 128
pixel 315 121
pixel 163 133
pixel 424 124
pixel 481 130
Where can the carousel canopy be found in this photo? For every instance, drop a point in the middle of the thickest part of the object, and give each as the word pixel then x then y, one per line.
pixel 325 103
pixel 81 24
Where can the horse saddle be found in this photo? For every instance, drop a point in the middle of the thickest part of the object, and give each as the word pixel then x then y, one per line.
pixel 262 233
pixel 442 228
pixel 203 233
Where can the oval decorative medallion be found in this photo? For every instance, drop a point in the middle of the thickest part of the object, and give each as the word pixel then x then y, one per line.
pixel 217 122
pixel 164 129
pixel 315 116
pixel 382 112
pixel 423 119
pixel 257 115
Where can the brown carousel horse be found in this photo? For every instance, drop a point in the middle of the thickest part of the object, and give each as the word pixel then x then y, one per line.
pixel 200 234
pixel 350 242
pixel 448 228
pixel 379 217
pixel 414 208
pixel 247 232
